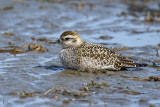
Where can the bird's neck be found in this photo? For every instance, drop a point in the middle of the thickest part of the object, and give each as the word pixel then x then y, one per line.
pixel 76 45
pixel 79 42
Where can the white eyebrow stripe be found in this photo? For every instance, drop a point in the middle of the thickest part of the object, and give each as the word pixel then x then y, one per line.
pixel 69 36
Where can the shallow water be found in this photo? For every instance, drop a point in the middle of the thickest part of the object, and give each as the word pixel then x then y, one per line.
pixel 25 77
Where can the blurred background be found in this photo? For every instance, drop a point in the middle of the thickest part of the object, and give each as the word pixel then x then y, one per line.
pixel 121 21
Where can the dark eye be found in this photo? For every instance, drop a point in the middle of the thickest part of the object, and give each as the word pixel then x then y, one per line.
pixel 67 38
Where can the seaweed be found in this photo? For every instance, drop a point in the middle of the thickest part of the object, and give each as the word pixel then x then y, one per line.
pixel 150 78
pixel 6 8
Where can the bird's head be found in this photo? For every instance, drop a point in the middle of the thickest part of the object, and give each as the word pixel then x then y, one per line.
pixel 70 39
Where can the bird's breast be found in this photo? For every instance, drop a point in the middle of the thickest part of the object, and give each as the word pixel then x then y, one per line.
pixel 69 58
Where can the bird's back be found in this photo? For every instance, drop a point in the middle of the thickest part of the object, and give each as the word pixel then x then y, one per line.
pixel 97 57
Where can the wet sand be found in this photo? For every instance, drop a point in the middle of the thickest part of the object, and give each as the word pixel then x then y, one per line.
pixel 32 75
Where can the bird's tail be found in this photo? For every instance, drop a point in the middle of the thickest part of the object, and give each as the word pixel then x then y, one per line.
pixel 131 64
pixel 123 63
pixel 141 65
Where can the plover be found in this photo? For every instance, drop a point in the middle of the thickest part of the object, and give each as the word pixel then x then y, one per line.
pixel 85 56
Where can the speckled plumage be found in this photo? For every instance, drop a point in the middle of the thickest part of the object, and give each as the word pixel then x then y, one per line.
pixel 85 56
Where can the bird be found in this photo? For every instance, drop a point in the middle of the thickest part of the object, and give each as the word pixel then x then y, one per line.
pixel 79 55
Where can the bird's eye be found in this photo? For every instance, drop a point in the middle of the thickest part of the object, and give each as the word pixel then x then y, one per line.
pixel 67 38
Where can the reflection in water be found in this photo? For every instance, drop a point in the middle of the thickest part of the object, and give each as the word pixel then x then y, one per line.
pixel 52 67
